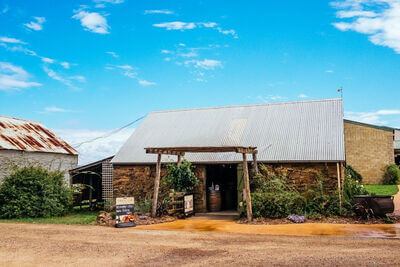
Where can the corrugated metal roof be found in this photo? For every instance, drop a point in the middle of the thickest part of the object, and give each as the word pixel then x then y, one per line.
pixel 282 132
pixel 19 134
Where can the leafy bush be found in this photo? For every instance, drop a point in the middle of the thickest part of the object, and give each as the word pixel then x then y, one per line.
pixel 275 198
pixel 392 174
pixel 34 192
pixel 143 206
pixel 351 173
pixel 181 178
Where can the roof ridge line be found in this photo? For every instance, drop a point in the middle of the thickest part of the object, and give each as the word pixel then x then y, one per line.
pixel 19 119
pixel 248 105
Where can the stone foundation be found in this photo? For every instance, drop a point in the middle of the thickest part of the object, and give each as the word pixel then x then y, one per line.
pixel 138 181
pixel 305 175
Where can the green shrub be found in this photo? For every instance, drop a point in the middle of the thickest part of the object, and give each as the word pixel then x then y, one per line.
pixel 392 174
pixel 181 178
pixel 275 198
pixel 143 206
pixel 34 192
pixel 351 173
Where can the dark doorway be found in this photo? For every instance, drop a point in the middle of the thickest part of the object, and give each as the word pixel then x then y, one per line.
pixel 225 177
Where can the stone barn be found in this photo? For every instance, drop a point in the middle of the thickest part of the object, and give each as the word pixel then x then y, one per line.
pixel 300 139
pixel 24 142
pixel 369 148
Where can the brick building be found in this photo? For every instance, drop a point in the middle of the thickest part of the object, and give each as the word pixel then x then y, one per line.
pixel 24 142
pixel 369 148
pixel 300 139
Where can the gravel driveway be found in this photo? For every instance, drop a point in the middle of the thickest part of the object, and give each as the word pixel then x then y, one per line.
pixel 35 244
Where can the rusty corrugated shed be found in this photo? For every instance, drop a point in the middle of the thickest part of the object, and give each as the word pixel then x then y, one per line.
pixel 25 135
pixel 301 131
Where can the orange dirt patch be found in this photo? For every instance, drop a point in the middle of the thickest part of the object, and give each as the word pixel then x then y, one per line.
pixel 75 245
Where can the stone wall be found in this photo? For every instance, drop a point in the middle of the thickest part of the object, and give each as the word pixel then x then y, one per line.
pixel 51 161
pixel 368 150
pixel 138 181
pixel 305 175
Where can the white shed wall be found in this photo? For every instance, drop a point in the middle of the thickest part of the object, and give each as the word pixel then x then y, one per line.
pixel 51 161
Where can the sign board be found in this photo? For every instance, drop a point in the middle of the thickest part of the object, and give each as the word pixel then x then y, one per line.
pixel 125 209
pixel 188 205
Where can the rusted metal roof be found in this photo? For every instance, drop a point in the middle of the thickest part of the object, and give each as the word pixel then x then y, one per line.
pixel 300 131
pixel 25 135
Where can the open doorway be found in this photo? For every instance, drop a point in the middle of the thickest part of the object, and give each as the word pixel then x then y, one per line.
pixel 224 178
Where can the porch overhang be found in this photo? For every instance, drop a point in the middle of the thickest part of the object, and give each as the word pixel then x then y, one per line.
pixel 180 152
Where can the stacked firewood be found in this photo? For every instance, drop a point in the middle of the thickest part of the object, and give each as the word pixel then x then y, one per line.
pixel 105 219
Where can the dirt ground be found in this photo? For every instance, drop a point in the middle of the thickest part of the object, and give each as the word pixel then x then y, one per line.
pixel 35 244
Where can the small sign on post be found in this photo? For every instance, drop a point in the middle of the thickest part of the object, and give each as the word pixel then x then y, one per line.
pixel 125 209
pixel 188 205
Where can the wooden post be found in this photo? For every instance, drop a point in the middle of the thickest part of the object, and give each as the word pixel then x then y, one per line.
pixel 90 191
pixel 255 166
pixel 156 186
pixel 247 188
pixel 339 184
pixel 179 160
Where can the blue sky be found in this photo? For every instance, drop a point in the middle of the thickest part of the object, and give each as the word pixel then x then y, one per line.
pixel 84 68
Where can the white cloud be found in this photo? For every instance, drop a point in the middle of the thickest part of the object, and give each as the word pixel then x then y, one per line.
pixel 271 98
pixel 14 77
pixel 65 80
pixel 355 13
pixel 19 48
pixel 379 19
pixel 207 64
pixel 207 24
pixel 36 24
pixel 130 72
pixel 146 83
pixel 228 32
pixel 65 65
pixel 371 117
pixel 110 1
pixel 78 78
pixel 113 54
pixel 102 3
pixel 189 54
pixel 92 21
pixel 125 67
pixel 55 109
pixel 158 11
pixel 179 25
pixel 303 96
pixel 96 150
pixel 164 51
pixel 329 71
pixel 5 39
pixel 176 25
pixel 47 60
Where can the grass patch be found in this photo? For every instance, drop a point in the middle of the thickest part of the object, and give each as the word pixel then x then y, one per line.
pixel 84 217
pixel 382 190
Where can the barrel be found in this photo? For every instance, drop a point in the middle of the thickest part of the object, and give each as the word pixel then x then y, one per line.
pixel 214 200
